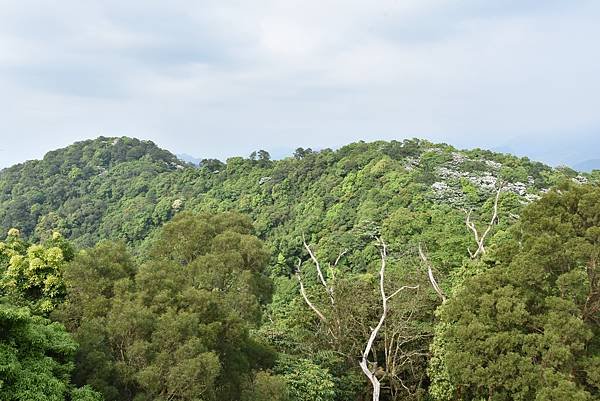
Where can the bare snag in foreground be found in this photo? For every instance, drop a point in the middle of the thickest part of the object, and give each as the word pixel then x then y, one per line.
pixel 371 370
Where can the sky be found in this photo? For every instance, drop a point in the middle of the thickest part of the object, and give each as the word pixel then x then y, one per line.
pixel 224 78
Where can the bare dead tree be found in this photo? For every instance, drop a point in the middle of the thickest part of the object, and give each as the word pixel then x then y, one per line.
pixel 329 289
pixel 481 237
pixel 305 296
pixel 370 369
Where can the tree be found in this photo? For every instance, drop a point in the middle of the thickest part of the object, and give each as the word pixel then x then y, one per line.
pixel 372 370
pixel 301 153
pixel 528 328
pixel 480 237
pixel 266 387
pixel 177 327
pixel 31 274
pixel 441 387
pixel 92 279
pixel 36 359
pixel 307 381
pixel 264 156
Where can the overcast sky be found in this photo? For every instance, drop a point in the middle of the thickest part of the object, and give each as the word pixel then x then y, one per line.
pixel 222 78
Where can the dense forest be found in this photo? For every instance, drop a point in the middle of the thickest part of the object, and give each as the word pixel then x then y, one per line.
pixel 385 271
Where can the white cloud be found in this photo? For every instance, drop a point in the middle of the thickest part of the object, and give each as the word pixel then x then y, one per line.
pixel 219 78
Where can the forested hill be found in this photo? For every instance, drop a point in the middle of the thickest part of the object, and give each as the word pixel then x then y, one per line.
pixel 72 189
pixel 123 188
pixel 423 271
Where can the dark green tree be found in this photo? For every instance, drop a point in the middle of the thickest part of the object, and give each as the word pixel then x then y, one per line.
pixel 529 327
pixel 177 328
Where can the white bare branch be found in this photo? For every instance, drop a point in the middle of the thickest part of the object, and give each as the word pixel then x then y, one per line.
pixel 480 238
pixel 310 304
pixel 434 283
pixel 322 279
pixel 306 299
pixel 404 287
pixel 364 362
pixel 340 256
pixel 472 227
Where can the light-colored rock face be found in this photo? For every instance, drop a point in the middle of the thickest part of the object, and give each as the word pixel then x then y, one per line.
pixel 452 174
pixel 411 163
pixel 177 204
pixel 264 180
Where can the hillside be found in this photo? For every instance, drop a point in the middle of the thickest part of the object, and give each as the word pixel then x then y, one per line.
pixel 209 285
pixel 123 188
pixel 71 189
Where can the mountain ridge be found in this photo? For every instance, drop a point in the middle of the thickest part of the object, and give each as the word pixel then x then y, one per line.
pixel 125 188
pixel 587 165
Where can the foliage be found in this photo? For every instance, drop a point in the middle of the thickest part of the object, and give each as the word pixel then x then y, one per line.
pixel 307 381
pixel 36 358
pixel 266 387
pixel 528 328
pixel 175 297
pixel 31 274
pixel 177 327
pixel 75 190
pixel 123 188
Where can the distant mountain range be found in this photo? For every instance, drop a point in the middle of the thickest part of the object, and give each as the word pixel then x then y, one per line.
pixel 588 165
pixel 190 159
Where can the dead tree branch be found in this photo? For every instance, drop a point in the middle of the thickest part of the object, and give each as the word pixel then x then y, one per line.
pixel 480 237
pixel 306 299
pixel 322 279
pixel 369 369
pixel 432 279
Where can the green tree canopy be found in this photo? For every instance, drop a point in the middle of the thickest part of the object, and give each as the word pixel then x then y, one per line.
pixel 177 327
pixel 31 274
pixel 36 359
pixel 529 328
